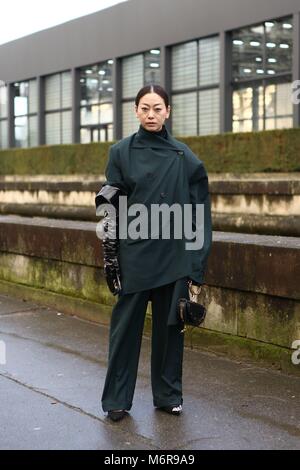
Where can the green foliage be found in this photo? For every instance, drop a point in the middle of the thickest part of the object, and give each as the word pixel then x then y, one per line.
pixel 55 159
pixel 266 151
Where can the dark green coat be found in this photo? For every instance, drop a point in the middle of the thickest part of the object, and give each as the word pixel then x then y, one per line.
pixel 155 170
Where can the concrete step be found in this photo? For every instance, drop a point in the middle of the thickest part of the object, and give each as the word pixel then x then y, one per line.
pixel 287 225
pixel 265 204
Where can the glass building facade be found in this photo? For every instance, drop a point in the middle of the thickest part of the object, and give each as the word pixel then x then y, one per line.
pixel 3 116
pixel 25 114
pixel 262 76
pixel 58 105
pixel 195 77
pixel 94 103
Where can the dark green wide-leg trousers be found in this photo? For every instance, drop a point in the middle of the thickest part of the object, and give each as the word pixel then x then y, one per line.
pixel 125 339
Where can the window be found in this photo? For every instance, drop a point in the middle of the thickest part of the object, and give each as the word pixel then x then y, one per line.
pixel 25 114
pixel 184 110
pixel 96 107
pixel 130 123
pixel 195 87
pixel 58 102
pixel 262 75
pixel 137 71
pixel 184 66
pixel 3 116
pixel 209 111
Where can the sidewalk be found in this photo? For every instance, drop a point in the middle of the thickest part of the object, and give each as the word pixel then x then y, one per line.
pixel 50 389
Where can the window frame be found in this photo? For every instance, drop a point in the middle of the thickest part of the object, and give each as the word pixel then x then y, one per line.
pixel 264 79
pixel 60 110
pixel 27 115
pixel 198 88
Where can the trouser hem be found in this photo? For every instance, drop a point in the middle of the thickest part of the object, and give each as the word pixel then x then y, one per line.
pixel 175 402
pixel 109 407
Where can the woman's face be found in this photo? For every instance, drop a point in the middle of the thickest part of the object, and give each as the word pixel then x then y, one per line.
pixel 152 112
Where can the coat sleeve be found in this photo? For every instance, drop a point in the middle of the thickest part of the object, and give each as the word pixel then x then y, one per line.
pixel 113 172
pixel 114 186
pixel 199 194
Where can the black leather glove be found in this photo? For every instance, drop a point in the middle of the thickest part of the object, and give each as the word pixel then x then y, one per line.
pixel 110 242
pixel 110 254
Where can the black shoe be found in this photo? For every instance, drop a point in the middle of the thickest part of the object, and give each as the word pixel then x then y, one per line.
pixel 173 409
pixel 116 415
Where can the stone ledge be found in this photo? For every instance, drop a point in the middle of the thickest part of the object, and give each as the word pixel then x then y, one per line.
pixel 237 222
pixel 253 263
pixel 278 225
pixel 218 185
pixel 58 239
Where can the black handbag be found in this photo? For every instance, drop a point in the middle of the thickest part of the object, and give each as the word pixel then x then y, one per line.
pixel 190 312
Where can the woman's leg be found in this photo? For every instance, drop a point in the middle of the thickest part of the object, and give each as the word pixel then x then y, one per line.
pixel 167 349
pixel 125 337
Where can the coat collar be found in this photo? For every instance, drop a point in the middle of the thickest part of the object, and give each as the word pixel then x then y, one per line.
pixel 144 138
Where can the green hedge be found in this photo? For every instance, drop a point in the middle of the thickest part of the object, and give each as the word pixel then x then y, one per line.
pixel 55 159
pixel 266 151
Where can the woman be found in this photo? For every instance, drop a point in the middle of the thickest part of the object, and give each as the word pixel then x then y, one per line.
pixel 152 168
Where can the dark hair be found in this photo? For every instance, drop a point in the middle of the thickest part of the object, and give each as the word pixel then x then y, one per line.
pixel 159 90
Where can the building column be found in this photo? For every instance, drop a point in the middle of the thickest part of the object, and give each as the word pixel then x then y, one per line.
pixel 117 98
pixel 41 111
pixel 10 115
pixel 75 74
pixel 165 75
pixel 296 66
pixel 225 82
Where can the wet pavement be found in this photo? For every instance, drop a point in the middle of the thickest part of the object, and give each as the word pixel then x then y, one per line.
pixel 51 384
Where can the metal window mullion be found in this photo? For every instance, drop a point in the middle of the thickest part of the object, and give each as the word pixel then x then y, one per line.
pixel 99 112
pixel 264 79
pixel 250 83
pixel 198 88
pixel 117 98
pixel 75 105
pixel 10 115
pixel 60 102
pixel 261 77
pixel 296 64
pixel 166 76
pixel 128 100
pixel 41 111
pixel 209 87
pixel 185 90
pixel 225 81
pixel 58 110
pixel 94 104
pixel 28 131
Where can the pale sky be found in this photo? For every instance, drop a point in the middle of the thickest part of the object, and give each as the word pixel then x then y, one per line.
pixel 22 17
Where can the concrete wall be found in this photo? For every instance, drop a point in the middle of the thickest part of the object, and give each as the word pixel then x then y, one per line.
pixel 113 32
